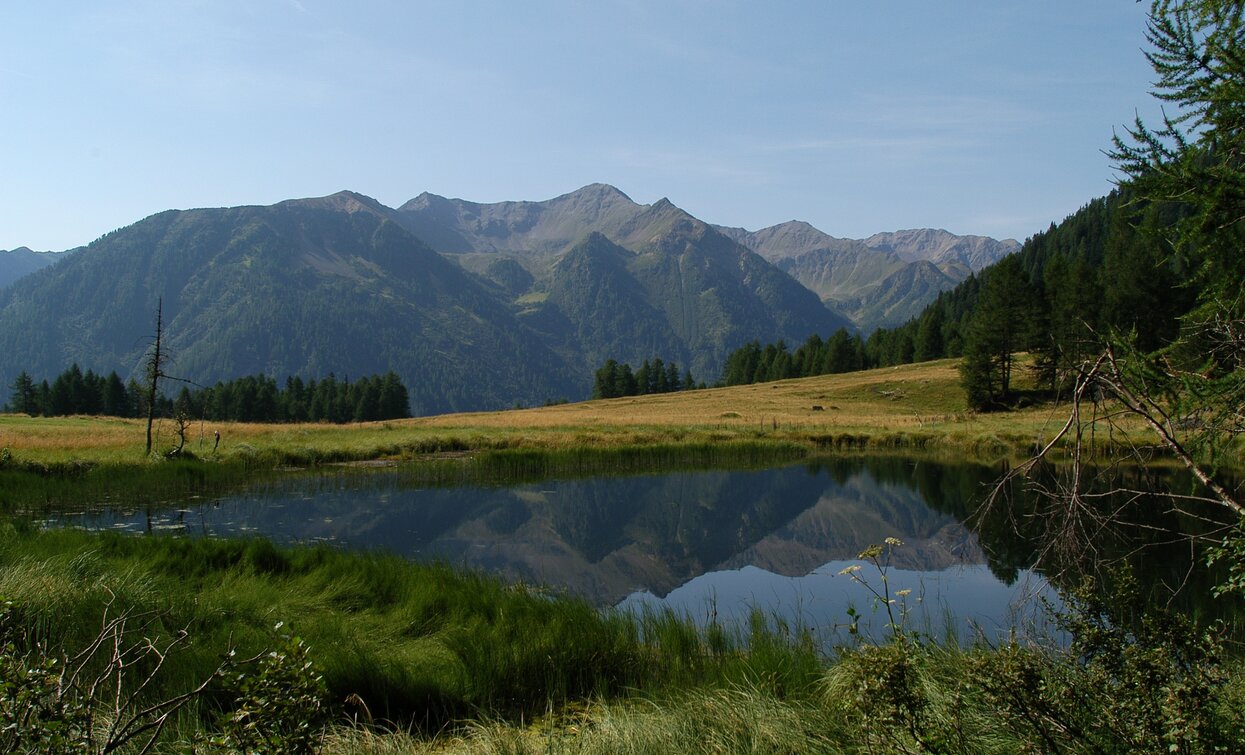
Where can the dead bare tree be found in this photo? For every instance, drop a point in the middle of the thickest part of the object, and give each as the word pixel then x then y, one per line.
pixel 155 370
pixel 98 700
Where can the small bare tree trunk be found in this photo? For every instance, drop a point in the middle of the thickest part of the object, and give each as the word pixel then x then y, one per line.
pixel 154 372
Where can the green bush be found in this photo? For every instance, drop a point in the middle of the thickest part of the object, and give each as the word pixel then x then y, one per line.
pixel 1133 678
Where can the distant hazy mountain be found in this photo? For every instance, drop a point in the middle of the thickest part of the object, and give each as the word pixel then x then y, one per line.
pixel 610 278
pixel 22 261
pixel 791 239
pixel 344 284
pixel 901 295
pixel 881 281
pixel 456 226
pixel 941 247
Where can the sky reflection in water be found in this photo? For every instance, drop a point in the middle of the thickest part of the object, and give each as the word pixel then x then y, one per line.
pixel 714 545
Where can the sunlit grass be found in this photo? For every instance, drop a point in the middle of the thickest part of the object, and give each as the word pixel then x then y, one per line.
pixel 914 406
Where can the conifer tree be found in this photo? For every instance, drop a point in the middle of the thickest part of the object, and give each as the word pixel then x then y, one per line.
pixel 1005 321
pixel 25 397
pixel 1188 392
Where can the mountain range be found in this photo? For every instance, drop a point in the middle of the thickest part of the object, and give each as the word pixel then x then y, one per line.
pixel 475 305
pixel 20 262
pixel 879 282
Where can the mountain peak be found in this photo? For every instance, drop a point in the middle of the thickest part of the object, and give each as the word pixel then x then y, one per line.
pixel 938 245
pixel 790 239
pixel 342 201
pixel 594 200
pixel 599 190
pixel 426 200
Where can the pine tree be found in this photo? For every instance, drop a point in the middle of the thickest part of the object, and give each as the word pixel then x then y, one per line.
pixel 1196 158
pixel 672 377
pixel 626 384
pixel 395 401
pixel 928 343
pixel 689 383
pixel 657 376
pixel 606 381
pixel 643 379
pixel 1005 321
pixel 25 397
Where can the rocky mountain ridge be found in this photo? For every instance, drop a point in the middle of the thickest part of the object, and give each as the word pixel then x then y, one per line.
pixel 340 284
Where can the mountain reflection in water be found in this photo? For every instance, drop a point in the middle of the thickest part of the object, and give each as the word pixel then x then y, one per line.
pixel 713 544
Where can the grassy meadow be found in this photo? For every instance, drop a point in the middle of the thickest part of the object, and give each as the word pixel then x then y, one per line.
pixel 917 407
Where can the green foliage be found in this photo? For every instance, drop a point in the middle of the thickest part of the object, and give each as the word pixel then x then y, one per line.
pixel 280 703
pixel 1105 267
pixel 112 694
pixel 76 392
pixel 255 398
pixel 1231 552
pixel 752 363
pixel 1074 298
pixel 1177 364
pixel 33 716
pixel 613 380
pixel 259 399
pixel 1007 318
pixel 1133 679
pixel 888 694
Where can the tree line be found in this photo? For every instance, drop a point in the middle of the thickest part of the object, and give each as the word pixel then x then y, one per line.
pixel 614 380
pixel 753 363
pixel 256 398
pixel 1105 270
pixel 1108 271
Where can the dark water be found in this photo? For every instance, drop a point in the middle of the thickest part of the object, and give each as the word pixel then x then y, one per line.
pixel 716 545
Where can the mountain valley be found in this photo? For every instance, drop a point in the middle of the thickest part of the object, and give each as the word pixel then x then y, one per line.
pixel 476 306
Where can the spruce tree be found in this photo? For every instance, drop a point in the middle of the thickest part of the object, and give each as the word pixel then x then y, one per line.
pixel 25 397
pixel 928 344
pixel 1005 321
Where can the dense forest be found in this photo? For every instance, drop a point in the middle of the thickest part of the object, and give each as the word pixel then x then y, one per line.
pixel 1104 270
pixel 614 380
pixel 752 363
pixel 255 398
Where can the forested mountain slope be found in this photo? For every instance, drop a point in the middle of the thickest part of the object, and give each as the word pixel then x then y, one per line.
pixel 306 287
pixel 341 285
pixel 20 262
pixel 1099 270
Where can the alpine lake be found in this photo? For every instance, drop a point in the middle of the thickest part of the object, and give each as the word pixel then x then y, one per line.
pixel 720 545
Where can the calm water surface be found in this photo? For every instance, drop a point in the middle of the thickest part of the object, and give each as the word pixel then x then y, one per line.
pixel 716 545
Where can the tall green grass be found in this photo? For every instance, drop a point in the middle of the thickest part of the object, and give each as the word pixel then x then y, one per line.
pixel 455 661
pixel 423 644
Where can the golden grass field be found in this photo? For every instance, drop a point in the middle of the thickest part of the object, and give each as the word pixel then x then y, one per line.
pixel 916 406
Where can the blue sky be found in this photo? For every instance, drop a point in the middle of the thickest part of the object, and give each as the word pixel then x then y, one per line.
pixel 978 116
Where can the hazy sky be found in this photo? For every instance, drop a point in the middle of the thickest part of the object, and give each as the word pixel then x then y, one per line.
pixel 978 116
